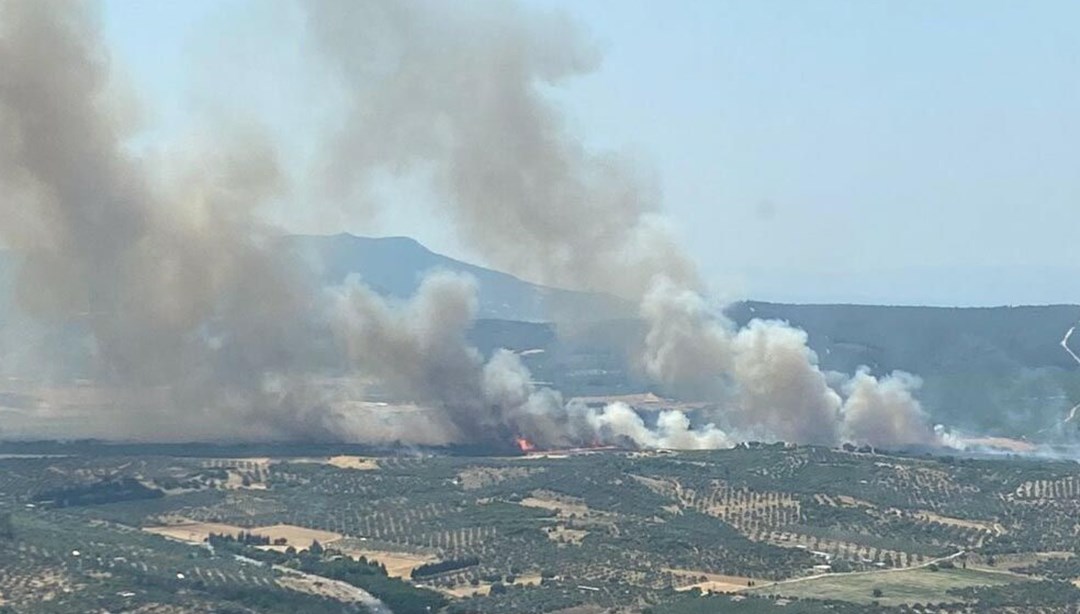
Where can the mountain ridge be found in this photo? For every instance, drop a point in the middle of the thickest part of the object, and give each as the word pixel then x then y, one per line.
pixel 996 370
pixel 395 266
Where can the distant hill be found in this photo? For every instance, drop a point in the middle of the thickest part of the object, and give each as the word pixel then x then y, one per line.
pixel 394 267
pixel 938 285
pixel 928 339
pixel 996 368
pixel 1000 369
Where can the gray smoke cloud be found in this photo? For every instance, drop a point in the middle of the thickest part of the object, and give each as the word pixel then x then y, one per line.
pixel 453 91
pixel 418 351
pixel 883 411
pixel 456 94
pixel 201 327
pixel 193 320
pixel 781 391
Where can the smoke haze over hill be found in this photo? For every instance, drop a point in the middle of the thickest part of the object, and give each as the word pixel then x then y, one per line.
pixel 197 324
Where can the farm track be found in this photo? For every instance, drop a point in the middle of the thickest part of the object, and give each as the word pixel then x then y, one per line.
pixel 865 573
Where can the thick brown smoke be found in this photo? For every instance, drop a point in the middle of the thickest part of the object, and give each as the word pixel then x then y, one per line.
pixel 456 92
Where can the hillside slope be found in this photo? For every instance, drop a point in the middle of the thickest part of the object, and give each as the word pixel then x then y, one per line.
pixel 394 267
pixel 1000 370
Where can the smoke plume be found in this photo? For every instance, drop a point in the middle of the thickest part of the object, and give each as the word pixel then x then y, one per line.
pixel 618 423
pixel 457 94
pixel 883 412
pixel 201 327
pixel 454 90
pixel 193 320
pixel 418 352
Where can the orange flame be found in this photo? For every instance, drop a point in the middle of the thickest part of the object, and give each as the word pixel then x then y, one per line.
pixel 524 444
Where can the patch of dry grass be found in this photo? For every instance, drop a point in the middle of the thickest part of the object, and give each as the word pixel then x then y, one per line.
pixel 398 564
pixel 197 532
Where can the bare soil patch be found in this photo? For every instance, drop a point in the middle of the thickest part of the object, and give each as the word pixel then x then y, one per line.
pixel 478 477
pixel 564 507
pixel 484 588
pixel 687 579
pixel 297 537
pixel 194 532
pixel 314 586
pixel 982 525
pixel 198 532
pixel 360 463
pixel 398 564
pixel 563 535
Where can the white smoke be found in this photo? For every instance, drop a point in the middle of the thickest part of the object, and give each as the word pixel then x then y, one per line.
pixel 686 348
pixel 618 423
pixel 781 390
pixel 883 412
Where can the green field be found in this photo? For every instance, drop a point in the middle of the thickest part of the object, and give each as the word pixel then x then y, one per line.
pixel 897 587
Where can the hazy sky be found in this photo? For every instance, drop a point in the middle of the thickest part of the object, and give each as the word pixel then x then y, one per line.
pixel 900 152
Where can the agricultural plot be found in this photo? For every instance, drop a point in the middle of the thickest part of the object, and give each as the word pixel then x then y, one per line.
pixel 890 588
pixel 398 564
pixel 620 531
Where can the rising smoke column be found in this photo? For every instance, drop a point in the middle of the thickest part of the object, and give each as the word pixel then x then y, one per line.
pixel 455 92
pixel 196 324
pixel 418 352
pixel 782 392
pixel 764 375
pixel 453 89
pixel 685 348
pixel 883 411
pixel 201 327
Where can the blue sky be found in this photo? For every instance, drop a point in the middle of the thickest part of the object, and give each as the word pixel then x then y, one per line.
pixel 869 151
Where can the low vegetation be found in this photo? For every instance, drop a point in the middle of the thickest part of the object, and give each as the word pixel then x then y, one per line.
pixel 741 530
